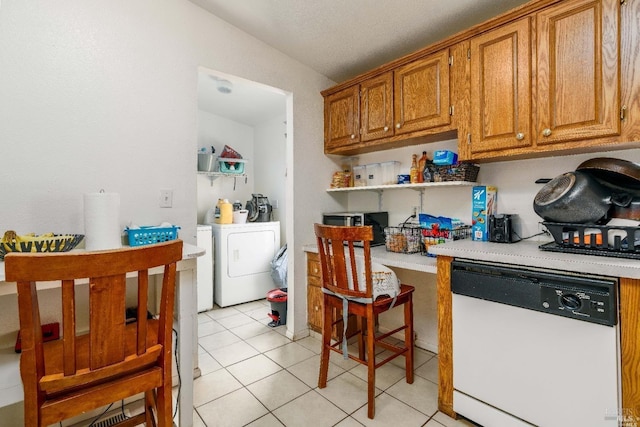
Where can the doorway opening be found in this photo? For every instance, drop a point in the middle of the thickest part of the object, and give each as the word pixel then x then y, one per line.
pixel 255 120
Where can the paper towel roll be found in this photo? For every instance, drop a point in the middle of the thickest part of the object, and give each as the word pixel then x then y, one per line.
pixel 102 221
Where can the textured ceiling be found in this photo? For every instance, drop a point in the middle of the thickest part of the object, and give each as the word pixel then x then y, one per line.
pixel 337 38
pixel 343 38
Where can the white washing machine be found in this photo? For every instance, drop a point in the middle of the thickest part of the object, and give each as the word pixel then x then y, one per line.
pixel 243 254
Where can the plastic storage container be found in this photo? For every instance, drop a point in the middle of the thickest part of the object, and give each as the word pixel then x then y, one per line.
pixel 374 174
pixel 232 166
pixel 151 234
pixel 206 162
pixel 390 172
pixel 359 176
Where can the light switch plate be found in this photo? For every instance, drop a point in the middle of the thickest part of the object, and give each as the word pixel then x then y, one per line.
pixel 166 198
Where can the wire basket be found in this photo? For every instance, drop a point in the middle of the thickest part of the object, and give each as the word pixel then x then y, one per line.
pixel 458 172
pixel 430 238
pixel 403 239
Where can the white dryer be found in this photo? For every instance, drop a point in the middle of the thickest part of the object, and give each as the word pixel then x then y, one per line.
pixel 243 254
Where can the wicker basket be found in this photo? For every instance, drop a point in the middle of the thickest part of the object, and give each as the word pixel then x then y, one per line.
pixel 458 172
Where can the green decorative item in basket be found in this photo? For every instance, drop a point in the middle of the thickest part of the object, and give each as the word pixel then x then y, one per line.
pixel 147 235
pixel 49 242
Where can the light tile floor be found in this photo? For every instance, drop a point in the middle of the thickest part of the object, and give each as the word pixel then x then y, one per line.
pixel 252 375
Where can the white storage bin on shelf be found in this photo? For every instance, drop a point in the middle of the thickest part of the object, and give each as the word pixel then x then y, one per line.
pixel 390 172
pixel 374 176
pixel 359 176
pixel 231 166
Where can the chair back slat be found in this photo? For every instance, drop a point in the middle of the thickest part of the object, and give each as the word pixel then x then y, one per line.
pixel 143 295
pixel 107 319
pixel 69 326
pixel 337 250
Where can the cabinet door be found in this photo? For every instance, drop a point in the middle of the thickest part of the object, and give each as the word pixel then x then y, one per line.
pixel 376 106
pixel 342 118
pixel 421 94
pixel 578 69
pixel 314 307
pixel 501 88
pixel 314 292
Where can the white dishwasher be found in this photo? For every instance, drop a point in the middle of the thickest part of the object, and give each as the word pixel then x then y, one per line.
pixel 243 254
pixel 532 347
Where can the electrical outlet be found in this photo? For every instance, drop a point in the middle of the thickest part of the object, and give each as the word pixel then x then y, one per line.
pixel 543 230
pixel 166 198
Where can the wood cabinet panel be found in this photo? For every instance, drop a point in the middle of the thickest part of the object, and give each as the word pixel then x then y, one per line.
pixel 314 292
pixel 629 295
pixel 376 104
pixel 577 71
pixel 500 88
pixel 314 307
pixel 315 301
pixel 342 118
pixel 421 94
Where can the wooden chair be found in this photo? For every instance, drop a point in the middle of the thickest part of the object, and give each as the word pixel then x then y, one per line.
pixel 338 261
pixel 113 360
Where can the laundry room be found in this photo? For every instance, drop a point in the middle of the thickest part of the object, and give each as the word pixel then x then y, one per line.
pixel 242 201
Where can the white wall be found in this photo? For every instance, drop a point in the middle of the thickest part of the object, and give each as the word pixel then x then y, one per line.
pixel 270 167
pixel 105 96
pixel 219 131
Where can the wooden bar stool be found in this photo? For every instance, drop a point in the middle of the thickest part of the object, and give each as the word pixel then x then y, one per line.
pixel 114 360
pixel 348 286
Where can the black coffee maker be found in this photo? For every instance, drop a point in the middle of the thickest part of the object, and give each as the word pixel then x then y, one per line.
pixel 259 208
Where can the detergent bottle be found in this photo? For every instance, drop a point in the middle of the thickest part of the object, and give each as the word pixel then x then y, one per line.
pixel 226 212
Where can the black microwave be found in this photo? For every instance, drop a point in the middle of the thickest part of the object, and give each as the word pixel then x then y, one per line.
pixel 377 220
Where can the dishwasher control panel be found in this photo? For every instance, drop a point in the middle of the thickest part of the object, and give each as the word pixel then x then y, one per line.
pixel 595 304
pixel 582 297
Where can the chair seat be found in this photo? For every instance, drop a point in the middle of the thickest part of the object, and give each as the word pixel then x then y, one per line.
pixel 381 304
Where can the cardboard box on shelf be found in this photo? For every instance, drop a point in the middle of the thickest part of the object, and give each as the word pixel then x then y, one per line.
pixel 484 203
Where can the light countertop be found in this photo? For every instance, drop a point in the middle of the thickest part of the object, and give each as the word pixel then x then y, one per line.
pixel 524 253
pixel 188 252
pixel 527 253
pixel 415 262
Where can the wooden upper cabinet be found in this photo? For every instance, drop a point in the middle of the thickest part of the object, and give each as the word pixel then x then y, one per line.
pixel 376 104
pixel 421 94
pixel 501 88
pixel 577 71
pixel 342 118
pixel 547 81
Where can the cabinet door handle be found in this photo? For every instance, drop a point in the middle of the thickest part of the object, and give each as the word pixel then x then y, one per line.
pixel 386 128
pixel 519 136
pixel 353 136
pixel 546 132
pixel 398 125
